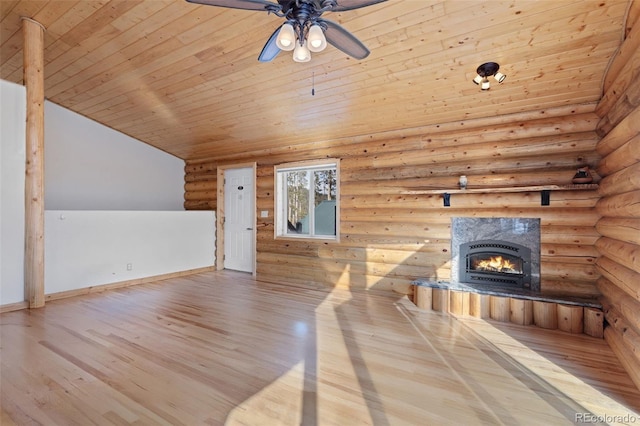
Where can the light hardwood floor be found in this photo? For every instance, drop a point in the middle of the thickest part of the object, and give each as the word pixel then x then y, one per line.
pixel 223 348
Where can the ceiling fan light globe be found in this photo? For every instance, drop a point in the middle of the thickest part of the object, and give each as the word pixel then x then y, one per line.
pixel 485 84
pixel 301 53
pixel 286 38
pixel 316 41
pixel 499 77
pixel 477 79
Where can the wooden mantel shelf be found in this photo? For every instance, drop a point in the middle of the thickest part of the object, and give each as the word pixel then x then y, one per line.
pixel 544 191
pixel 572 187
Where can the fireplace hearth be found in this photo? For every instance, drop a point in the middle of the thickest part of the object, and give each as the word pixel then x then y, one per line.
pixel 495 262
pixel 496 253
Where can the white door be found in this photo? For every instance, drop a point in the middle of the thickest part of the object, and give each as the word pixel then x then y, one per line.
pixel 239 219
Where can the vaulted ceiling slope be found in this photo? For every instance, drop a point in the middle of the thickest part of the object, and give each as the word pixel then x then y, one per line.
pixel 185 77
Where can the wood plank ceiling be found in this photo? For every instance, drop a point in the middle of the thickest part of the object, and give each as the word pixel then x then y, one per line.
pixel 185 78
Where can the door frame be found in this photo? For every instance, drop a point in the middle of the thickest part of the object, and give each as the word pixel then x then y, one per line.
pixel 220 212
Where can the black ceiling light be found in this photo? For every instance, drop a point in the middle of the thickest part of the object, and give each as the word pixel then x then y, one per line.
pixel 485 71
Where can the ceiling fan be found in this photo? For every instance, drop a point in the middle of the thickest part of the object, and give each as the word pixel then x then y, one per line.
pixel 304 30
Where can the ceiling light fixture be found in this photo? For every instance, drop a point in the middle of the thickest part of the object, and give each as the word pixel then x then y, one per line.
pixel 303 37
pixel 486 70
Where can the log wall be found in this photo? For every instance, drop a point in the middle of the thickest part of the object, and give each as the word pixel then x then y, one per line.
pixel 619 245
pixel 390 237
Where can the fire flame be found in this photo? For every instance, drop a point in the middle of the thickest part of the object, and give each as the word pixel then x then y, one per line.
pixel 496 263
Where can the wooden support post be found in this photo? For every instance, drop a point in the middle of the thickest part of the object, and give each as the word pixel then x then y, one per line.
pixel 423 297
pixel 570 318
pixel 440 300
pixel 500 308
pixel 459 302
pixel 521 311
pixel 33 33
pixel 593 322
pixel 545 314
pixel 479 305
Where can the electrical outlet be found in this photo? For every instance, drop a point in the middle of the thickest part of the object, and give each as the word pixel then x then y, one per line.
pixel 129 266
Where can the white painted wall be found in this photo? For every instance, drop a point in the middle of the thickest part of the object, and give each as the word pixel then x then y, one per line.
pixel 89 166
pixel 12 158
pixel 89 248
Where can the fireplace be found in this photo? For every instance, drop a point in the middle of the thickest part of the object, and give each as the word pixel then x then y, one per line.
pixel 496 253
pixel 495 262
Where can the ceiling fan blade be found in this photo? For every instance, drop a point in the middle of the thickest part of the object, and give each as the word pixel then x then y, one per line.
pixel 344 40
pixel 240 4
pixel 353 4
pixel 270 49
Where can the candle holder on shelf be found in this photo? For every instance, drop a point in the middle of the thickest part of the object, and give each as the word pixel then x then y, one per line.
pixel 583 175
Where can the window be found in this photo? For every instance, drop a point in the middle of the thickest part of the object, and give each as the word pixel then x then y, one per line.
pixel 308 200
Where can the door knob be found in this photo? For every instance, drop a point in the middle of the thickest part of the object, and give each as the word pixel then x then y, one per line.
pixel 249 229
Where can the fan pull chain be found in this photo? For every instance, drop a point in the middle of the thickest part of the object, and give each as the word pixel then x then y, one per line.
pixel 313 84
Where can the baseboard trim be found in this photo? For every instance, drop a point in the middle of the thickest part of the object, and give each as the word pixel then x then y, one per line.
pixel 9 307
pixel 122 284
pixel 105 287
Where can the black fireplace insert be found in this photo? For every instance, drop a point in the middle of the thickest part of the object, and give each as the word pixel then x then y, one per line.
pixel 495 263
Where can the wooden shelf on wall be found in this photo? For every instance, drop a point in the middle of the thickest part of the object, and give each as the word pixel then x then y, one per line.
pixel 544 191
pixel 572 187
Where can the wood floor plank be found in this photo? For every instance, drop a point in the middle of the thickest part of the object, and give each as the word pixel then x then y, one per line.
pixel 223 348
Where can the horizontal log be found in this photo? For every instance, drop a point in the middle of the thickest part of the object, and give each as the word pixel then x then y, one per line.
pixel 200 205
pixel 625 156
pixel 576 288
pixel 530 162
pixel 197 186
pixel 550 251
pixel 476 151
pixel 200 195
pixel 201 168
pixel 620 205
pixel 408 272
pixel 624 355
pixel 397 229
pixel 624 105
pixel 569 272
pixel 630 334
pixel 624 278
pixel 624 180
pixel 578 221
pixel 393 186
pixel 198 177
pixel 620 72
pixel 627 306
pixel 623 229
pixel 626 254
